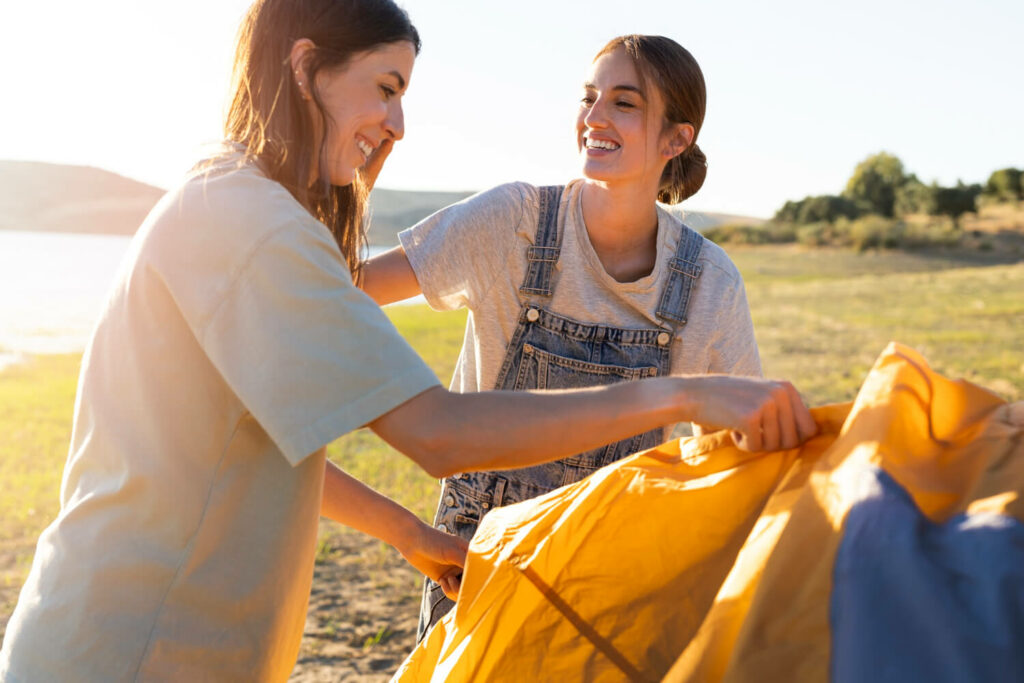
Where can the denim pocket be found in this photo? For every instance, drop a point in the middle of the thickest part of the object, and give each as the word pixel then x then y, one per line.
pixel 540 369
pixel 461 509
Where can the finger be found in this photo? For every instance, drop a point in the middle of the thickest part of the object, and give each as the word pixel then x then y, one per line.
pixel 770 426
pixel 787 423
pixel 806 426
pixel 451 583
pixel 750 435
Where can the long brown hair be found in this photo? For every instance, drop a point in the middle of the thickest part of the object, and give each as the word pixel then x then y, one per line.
pixel 268 116
pixel 673 70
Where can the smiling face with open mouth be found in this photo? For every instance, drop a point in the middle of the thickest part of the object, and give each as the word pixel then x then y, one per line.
pixel 363 105
pixel 620 122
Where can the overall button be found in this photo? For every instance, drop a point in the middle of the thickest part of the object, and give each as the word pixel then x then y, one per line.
pixel 664 338
pixel 486 506
pixel 532 315
pixel 449 500
pixel 442 528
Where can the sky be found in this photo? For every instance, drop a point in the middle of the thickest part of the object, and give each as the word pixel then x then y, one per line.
pixel 798 91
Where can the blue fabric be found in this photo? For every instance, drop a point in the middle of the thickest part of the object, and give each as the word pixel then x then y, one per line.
pixel 917 601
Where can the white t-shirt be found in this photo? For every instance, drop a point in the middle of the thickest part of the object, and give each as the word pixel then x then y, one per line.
pixel 232 349
pixel 473 254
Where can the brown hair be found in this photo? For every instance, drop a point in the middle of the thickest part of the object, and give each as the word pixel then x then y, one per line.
pixel 269 117
pixel 668 65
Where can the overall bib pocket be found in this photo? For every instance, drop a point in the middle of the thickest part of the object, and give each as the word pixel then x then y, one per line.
pixel 540 369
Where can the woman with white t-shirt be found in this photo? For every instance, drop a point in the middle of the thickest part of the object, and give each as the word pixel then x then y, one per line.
pixel 234 346
pixel 582 285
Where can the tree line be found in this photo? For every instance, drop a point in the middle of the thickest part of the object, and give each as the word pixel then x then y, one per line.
pixel 874 208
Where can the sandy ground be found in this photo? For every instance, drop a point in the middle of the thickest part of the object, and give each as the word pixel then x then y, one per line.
pixel 362 614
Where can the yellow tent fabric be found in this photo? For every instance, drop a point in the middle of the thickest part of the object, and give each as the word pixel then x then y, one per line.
pixel 695 561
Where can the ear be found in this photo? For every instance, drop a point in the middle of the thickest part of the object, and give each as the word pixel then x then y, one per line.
pixel 299 53
pixel 678 138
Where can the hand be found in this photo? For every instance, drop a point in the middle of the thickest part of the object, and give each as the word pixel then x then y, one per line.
pixel 372 168
pixel 764 415
pixel 438 556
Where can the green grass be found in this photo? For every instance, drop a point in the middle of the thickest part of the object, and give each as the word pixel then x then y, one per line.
pixel 825 334
pixel 821 319
pixel 36 405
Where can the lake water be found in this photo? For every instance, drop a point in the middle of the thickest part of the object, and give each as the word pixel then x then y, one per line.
pixel 53 287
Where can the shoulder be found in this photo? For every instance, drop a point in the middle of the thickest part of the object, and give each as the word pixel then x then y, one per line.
pixel 491 216
pixel 505 198
pixel 713 259
pixel 214 222
pixel 234 195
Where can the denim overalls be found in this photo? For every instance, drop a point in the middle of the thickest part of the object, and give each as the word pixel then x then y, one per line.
pixel 550 351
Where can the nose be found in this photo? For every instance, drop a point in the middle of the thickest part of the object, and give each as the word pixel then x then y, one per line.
pixel 595 116
pixel 394 124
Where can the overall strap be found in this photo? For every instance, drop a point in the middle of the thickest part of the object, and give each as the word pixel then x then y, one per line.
pixel 684 269
pixel 543 255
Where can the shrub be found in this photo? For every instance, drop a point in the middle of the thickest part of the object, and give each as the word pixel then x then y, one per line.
pixel 938 232
pixel 915 197
pixel 1006 185
pixel 815 209
pixel 821 234
pixel 875 181
pixel 768 233
pixel 875 232
pixel 956 201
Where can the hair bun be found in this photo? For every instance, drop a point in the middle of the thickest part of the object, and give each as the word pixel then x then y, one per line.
pixel 683 176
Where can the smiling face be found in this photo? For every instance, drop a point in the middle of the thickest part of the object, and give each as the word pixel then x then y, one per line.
pixel 620 128
pixel 363 104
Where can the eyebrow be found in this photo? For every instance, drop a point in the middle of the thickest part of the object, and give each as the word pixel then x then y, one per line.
pixel 398 77
pixel 627 88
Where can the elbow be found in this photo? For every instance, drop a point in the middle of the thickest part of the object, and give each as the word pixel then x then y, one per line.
pixel 436 453
pixel 441 471
pixel 436 446
pixel 428 432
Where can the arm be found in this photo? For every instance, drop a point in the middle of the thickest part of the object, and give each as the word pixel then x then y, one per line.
pixel 437 555
pixel 446 433
pixel 388 278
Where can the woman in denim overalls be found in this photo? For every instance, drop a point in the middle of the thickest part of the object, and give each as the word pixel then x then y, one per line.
pixel 625 168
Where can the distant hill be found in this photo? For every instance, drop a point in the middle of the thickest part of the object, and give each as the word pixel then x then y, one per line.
pixel 61 198
pixel 392 211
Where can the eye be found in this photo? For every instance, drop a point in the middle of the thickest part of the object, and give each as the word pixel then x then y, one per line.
pixel 388 92
pixel 587 100
pixel 625 105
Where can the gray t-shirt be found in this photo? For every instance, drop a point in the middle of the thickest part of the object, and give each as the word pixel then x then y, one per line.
pixel 473 254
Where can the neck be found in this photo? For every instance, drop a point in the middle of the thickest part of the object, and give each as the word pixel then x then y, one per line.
pixel 622 223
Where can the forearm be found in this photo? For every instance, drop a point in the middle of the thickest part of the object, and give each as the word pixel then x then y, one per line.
pixel 352 503
pixel 447 433
pixel 499 431
pixel 504 430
